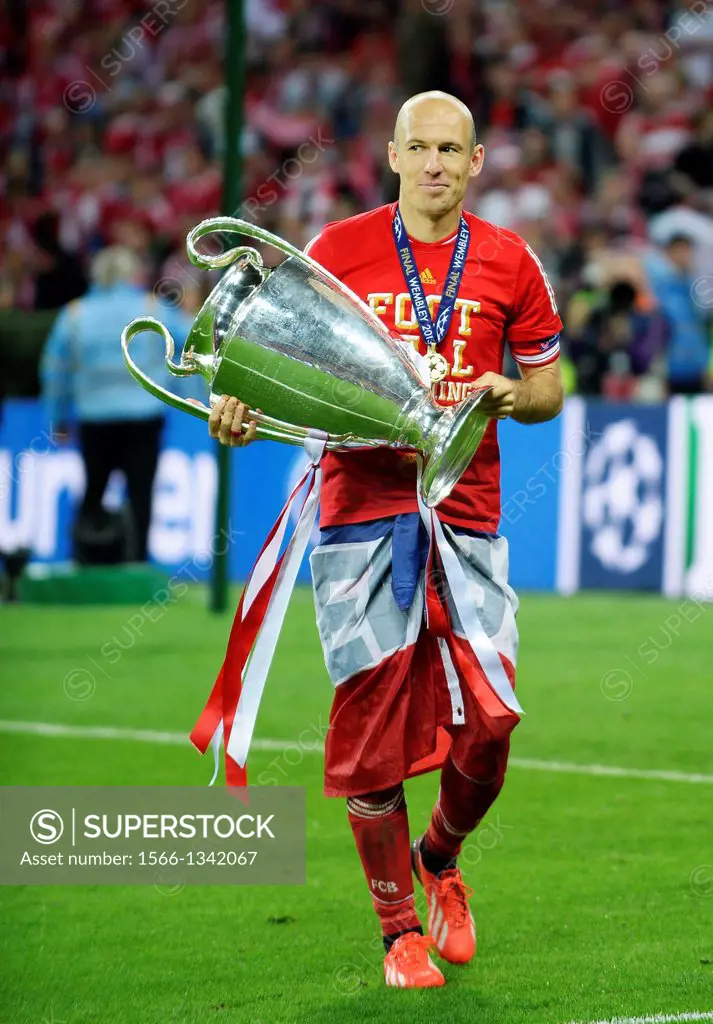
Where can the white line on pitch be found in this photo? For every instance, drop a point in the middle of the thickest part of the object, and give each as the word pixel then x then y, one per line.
pixel 102 732
pixel 571 768
pixel 108 732
pixel 657 1018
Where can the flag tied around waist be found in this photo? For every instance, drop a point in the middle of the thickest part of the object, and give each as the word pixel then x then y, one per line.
pixel 231 710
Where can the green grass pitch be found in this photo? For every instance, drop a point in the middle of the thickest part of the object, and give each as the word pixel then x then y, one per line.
pixel 593 894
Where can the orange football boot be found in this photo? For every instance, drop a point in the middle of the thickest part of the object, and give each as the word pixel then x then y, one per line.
pixel 408 965
pixel 450 922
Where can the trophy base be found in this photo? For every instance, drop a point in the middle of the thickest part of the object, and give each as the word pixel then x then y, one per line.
pixel 460 429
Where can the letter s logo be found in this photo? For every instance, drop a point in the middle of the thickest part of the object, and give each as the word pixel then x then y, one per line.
pixel 46 827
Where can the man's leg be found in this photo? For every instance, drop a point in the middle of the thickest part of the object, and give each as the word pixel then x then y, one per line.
pixel 379 822
pixel 95 447
pixel 471 778
pixel 381 723
pixel 99 461
pixel 140 445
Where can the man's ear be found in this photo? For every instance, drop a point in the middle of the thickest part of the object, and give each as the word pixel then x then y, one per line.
pixel 476 161
pixel 393 157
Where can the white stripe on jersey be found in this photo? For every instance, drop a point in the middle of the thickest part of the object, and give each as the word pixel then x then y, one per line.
pixel 540 357
pixel 545 278
pixel 311 243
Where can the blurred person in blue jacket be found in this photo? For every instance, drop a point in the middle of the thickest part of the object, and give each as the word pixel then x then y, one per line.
pixel 84 380
pixel 617 343
pixel 671 279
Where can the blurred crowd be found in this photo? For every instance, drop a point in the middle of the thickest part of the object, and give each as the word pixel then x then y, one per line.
pixel 597 121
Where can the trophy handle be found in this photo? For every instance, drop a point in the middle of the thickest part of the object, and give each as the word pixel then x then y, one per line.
pixel 223 259
pixel 149 323
pixel 268 428
pixel 243 227
pixel 234 225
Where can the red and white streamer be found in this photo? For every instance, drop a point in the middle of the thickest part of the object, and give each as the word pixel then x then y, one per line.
pixel 231 710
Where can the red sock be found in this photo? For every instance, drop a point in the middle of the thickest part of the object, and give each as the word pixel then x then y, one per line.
pixel 379 822
pixel 465 796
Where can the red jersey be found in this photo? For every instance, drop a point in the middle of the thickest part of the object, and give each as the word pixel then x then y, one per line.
pixel 504 297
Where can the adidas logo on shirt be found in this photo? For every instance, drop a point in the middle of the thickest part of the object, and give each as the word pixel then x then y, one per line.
pixel 427 277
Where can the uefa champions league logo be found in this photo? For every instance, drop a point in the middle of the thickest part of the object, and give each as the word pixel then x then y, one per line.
pixel 442 323
pixel 622 499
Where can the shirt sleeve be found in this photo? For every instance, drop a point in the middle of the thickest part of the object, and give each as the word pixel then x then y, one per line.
pixel 320 249
pixel 533 332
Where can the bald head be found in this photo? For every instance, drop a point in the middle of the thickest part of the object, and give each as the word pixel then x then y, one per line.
pixel 435 155
pixel 437 106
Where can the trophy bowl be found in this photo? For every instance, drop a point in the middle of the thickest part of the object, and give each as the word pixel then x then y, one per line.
pixel 296 343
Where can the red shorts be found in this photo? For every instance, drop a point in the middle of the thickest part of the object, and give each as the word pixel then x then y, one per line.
pixel 395 721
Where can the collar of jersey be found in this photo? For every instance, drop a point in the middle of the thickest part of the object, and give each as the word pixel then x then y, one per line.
pixel 417 241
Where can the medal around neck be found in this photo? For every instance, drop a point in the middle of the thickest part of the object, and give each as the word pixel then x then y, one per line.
pixel 299 345
pixel 437 366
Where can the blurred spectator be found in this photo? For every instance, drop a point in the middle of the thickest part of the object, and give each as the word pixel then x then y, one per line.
pixel 651 135
pixel 616 343
pixel 671 278
pixel 613 207
pixel 503 103
pixel 60 277
pixel 84 380
pixel 513 199
pixel 697 45
pixel 683 220
pixel 423 50
pixel 597 127
pixel 692 175
pixel 571 133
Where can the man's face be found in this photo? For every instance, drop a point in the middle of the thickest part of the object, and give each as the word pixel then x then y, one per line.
pixel 433 157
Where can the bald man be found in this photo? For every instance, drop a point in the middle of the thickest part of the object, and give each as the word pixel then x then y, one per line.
pixel 411 693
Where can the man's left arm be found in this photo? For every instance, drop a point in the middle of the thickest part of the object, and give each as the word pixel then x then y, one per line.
pixel 533 335
pixel 539 396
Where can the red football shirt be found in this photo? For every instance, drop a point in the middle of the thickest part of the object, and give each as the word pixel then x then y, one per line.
pixel 504 297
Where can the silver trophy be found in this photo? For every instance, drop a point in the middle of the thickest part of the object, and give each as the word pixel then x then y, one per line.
pixel 299 345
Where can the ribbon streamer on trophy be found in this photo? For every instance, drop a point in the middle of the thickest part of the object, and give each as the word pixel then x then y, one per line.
pixel 294 342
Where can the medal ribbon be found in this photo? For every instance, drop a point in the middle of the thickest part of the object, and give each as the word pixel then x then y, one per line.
pixel 432 334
